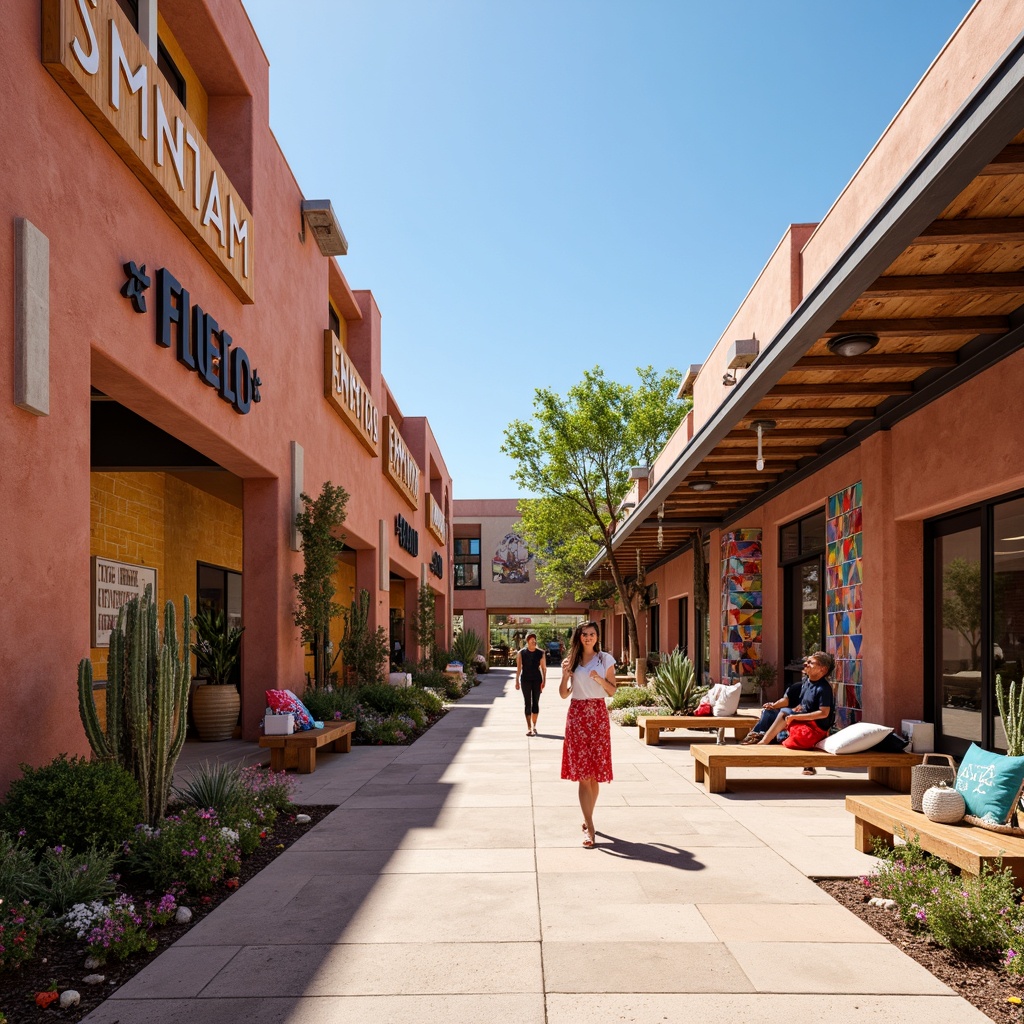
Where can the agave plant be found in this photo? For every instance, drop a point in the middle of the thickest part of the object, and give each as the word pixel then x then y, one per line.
pixel 214 785
pixel 675 682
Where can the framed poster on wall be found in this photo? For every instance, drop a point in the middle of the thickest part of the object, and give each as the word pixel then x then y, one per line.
pixel 114 583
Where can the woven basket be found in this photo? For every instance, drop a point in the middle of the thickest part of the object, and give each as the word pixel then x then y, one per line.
pixel 924 775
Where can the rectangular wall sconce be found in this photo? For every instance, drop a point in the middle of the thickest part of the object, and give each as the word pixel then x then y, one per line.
pixel 319 215
pixel 742 353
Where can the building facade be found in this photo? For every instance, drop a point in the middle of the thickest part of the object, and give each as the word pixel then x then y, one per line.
pixel 850 477
pixel 184 357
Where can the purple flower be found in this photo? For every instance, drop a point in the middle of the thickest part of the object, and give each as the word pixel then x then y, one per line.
pixel 920 915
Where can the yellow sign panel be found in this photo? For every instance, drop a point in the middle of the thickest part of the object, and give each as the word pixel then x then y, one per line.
pixel 348 394
pixel 435 520
pixel 399 466
pixel 99 60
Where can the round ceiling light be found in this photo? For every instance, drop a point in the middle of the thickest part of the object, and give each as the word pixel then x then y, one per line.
pixel 851 345
pixel 705 483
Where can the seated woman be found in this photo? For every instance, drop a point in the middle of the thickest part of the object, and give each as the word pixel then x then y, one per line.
pixel 810 720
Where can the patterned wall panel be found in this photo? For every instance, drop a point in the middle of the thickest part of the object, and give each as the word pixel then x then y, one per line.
pixel 844 552
pixel 741 603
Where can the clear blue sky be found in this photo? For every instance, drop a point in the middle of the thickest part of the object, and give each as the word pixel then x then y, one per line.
pixel 533 187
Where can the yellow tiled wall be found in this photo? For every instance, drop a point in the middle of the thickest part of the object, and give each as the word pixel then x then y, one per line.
pixel 157 520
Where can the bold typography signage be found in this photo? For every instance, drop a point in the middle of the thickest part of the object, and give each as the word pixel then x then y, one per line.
pixel 437 565
pixel 199 342
pixel 400 467
pixel 99 60
pixel 114 584
pixel 408 538
pixel 348 395
pixel 435 520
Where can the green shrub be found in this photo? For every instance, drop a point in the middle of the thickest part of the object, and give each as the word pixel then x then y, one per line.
pixel 432 704
pixel 192 849
pixel 634 696
pixel 907 875
pixel 62 879
pixel 74 803
pixel 969 914
pixel 628 716
pixel 323 705
pixel 17 869
pixel 215 785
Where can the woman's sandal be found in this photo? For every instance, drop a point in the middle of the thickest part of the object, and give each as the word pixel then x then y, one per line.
pixel 588 842
pixel 752 737
pixel 809 771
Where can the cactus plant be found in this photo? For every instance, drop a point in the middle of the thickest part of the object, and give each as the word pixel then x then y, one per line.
pixel 147 699
pixel 1011 710
pixel 365 650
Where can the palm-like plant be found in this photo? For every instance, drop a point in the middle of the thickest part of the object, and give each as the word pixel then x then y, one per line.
pixel 466 646
pixel 676 683
pixel 217 648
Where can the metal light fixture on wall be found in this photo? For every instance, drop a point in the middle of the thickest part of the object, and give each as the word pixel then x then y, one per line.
pixel 319 215
pixel 852 345
pixel 761 426
pixel 661 516
pixel 729 378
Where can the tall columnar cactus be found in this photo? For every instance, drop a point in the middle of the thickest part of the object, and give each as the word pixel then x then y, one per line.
pixel 147 699
pixel 1011 710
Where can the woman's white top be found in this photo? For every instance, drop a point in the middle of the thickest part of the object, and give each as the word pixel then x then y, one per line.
pixel 585 688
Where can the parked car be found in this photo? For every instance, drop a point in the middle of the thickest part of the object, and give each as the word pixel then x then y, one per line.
pixel 554 652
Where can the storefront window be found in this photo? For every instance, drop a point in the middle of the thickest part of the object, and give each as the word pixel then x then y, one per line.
pixel 802 554
pixel 467 563
pixel 976 579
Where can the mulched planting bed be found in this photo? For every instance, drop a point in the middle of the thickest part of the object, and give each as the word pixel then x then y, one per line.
pixel 59 962
pixel 981 980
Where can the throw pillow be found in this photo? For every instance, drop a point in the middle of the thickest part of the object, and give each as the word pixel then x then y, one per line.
pixel 854 738
pixel 284 702
pixel 990 785
pixel 894 743
pixel 726 700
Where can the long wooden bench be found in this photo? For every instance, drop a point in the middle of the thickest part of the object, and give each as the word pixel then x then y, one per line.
pixel 711 762
pixel 298 750
pixel 651 726
pixel 966 846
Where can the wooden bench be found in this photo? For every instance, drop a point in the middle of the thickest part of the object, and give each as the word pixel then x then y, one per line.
pixel 651 726
pixel 968 847
pixel 298 750
pixel 710 763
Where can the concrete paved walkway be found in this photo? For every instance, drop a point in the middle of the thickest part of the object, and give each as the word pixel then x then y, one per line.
pixel 451 886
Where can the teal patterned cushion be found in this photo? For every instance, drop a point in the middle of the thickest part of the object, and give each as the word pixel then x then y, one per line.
pixel 990 784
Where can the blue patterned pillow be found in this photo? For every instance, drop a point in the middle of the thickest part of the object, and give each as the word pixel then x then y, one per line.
pixel 990 784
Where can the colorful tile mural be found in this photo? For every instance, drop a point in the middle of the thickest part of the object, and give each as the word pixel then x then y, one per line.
pixel 741 603
pixel 844 551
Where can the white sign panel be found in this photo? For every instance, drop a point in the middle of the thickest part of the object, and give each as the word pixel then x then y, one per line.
pixel 113 584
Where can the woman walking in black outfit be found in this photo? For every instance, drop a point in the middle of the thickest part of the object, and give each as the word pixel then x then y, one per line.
pixel 530 671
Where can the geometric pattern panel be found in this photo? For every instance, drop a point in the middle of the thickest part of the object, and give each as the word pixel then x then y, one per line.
pixel 844 576
pixel 741 619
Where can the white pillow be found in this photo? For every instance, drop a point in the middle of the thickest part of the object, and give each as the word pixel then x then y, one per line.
pixel 854 738
pixel 726 699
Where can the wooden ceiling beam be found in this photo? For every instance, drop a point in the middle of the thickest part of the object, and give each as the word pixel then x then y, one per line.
pixel 841 387
pixel 922 327
pixel 972 231
pixel 882 361
pixel 792 453
pixel 1009 161
pixel 748 436
pixel 836 412
pixel 930 284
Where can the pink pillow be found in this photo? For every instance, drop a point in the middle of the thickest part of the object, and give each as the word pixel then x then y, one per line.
pixel 284 702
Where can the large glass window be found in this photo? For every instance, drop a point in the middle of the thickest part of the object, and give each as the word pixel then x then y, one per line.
pixel 467 563
pixel 975 579
pixel 802 556
pixel 220 590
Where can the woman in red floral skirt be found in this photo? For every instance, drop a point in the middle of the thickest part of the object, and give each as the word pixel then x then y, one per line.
pixel 588 676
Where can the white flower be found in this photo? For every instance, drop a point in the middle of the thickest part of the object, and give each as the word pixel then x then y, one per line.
pixel 83 917
pixel 229 833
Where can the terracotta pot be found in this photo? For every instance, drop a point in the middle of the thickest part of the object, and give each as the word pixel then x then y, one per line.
pixel 215 711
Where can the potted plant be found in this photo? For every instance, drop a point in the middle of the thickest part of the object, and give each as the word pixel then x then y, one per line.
pixel 217 649
pixel 764 679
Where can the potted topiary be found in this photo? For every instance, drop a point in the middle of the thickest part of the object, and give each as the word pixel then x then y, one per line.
pixel 217 649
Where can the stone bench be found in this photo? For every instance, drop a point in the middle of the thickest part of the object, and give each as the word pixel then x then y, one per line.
pixel 967 847
pixel 298 750
pixel 651 726
pixel 710 763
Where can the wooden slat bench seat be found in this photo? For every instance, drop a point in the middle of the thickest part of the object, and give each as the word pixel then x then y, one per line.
pixel 968 847
pixel 710 763
pixel 299 749
pixel 651 726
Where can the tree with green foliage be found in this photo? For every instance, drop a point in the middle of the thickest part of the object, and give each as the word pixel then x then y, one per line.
pixel 576 454
pixel 961 603
pixel 424 626
pixel 314 588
